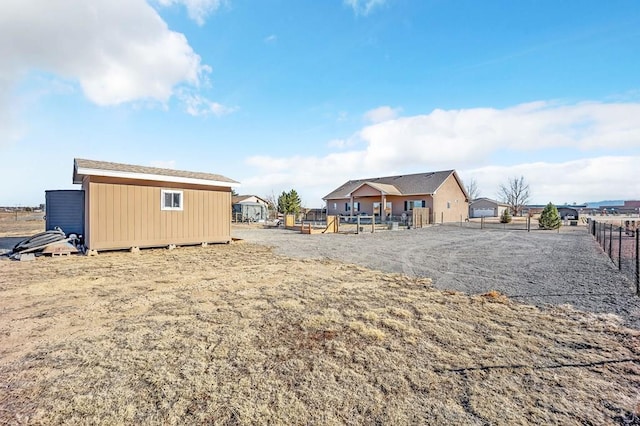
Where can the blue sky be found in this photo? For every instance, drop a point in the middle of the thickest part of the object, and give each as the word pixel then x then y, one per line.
pixel 307 94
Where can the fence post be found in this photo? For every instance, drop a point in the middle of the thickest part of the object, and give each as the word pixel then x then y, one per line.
pixel 610 239
pixel 620 248
pixel 601 236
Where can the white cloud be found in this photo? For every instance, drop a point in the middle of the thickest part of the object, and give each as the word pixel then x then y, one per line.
pixel 10 127
pixel 117 50
pixel 525 138
pixel 380 114
pixel 364 7
pixel 342 116
pixel 470 136
pixel 337 143
pixel 198 10
pixel 199 106
pixel 581 180
pixel 271 39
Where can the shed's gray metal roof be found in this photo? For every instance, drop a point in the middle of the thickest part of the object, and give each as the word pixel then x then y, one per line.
pixel 413 184
pixel 93 165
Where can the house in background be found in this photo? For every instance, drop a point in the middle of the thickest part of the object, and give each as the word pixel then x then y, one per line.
pixel 249 208
pixel 396 196
pixel 486 207
pixel 128 206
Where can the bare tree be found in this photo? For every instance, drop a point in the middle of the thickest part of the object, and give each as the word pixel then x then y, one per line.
pixel 472 189
pixel 515 193
pixel 272 201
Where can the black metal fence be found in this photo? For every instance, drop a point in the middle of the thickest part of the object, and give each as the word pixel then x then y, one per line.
pixel 518 224
pixel 621 244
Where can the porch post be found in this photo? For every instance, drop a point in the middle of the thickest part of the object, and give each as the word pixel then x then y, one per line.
pixel 351 209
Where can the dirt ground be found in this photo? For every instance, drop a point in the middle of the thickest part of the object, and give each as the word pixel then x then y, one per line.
pixel 239 334
pixel 537 267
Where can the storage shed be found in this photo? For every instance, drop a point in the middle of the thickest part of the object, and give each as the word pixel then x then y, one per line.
pixel 128 206
pixel 64 209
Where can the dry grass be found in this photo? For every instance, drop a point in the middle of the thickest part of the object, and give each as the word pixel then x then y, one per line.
pixel 20 224
pixel 234 334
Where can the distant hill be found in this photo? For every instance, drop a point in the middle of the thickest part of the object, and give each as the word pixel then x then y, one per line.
pixel 598 204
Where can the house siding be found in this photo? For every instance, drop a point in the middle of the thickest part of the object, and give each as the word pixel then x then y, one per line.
pixel 124 213
pixel 366 191
pixel 449 203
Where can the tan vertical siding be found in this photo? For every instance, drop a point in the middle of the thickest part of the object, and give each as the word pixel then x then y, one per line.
pixel 122 215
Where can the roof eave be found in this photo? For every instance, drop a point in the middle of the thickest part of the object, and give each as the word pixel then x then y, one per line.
pixel 80 172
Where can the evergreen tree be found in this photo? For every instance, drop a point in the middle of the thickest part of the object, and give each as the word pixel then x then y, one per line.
pixel 505 217
pixel 549 219
pixel 289 202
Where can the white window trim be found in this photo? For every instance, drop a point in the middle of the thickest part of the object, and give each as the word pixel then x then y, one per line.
pixel 171 191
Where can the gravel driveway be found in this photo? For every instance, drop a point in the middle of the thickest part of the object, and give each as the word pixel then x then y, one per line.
pixel 539 268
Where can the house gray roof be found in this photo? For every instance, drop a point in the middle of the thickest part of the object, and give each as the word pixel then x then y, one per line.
pixel 413 184
pixel 83 167
pixel 240 198
pixel 498 203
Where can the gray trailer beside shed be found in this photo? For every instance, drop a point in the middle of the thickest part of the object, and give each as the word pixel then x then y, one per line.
pixel 65 210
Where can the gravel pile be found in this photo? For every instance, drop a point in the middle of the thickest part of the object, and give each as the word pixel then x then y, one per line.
pixel 538 268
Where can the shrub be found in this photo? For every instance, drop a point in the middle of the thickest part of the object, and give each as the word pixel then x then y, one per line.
pixel 505 217
pixel 549 218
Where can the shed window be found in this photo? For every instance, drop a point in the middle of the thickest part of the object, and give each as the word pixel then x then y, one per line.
pixel 171 200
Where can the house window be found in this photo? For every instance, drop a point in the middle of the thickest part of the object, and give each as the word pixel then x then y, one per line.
pixel 347 207
pixel 410 205
pixel 335 206
pixel 448 204
pixel 356 206
pixel 171 200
